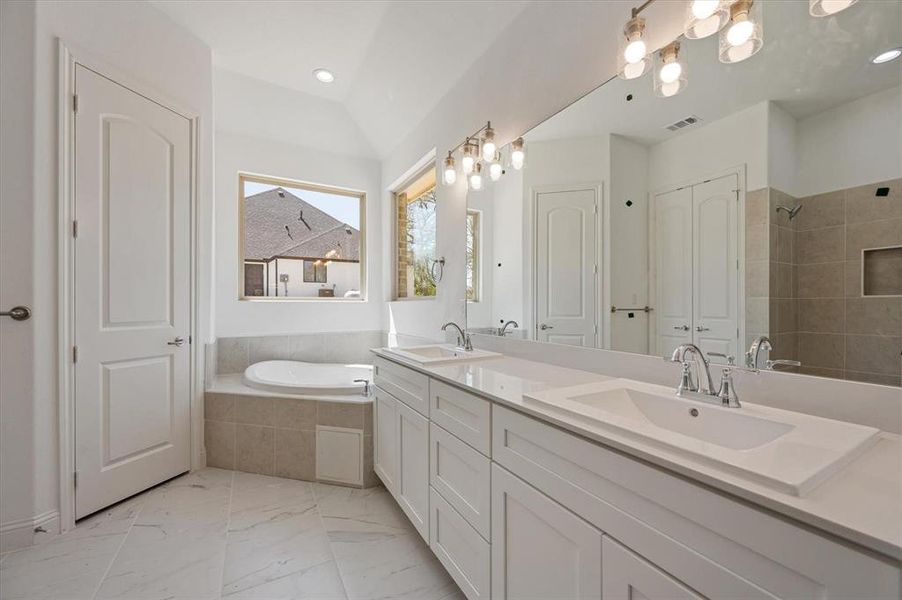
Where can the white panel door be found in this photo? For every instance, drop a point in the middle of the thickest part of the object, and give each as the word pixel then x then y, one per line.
pixel 566 288
pixel 412 483
pixel 540 550
pixel 716 267
pixel 132 292
pixel 673 267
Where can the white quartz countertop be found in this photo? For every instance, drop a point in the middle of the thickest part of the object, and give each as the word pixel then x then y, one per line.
pixel 862 503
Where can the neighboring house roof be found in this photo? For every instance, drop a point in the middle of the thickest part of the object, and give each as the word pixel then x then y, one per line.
pixel 278 223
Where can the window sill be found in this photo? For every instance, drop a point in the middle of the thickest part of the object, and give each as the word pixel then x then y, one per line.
pixel 275 299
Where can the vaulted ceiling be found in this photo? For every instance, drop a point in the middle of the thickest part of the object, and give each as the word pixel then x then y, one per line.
pixel 393 60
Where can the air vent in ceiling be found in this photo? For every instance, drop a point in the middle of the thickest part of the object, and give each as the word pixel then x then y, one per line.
pixel 683 123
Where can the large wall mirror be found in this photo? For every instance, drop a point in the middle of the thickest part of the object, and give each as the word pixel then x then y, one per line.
pixel 763 199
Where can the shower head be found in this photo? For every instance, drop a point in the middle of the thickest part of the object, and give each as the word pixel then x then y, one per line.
pixel 791 211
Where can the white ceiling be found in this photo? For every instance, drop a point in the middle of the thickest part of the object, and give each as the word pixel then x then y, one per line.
pixel 807 65
pixel 393 60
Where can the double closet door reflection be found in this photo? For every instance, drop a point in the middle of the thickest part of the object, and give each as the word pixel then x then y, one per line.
pixel 696 276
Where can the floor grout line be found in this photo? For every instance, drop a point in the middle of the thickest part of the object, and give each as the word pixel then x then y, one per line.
pixel 128 532
pixel 322 523
pixel 225 548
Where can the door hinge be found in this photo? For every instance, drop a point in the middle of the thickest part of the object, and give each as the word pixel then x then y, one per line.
pixel 75 229
pixel 74 102
pixel 75 354
pixel 75 479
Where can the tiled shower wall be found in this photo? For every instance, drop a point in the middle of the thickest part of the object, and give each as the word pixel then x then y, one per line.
pixel 803 284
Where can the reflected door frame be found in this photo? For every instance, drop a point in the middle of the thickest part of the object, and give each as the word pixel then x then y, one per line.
pixel 602 248
pixel 740 172
pixel 69 55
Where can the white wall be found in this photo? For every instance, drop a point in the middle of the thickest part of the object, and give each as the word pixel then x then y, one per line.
pixel 853 144
pixel 234 317
pixel 627 256
pixel 713 147
pixel 782 151
pixel 133 38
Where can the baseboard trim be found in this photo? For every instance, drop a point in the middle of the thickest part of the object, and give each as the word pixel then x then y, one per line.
pixel 29 531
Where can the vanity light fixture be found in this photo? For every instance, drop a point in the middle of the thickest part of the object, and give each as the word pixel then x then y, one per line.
pixel 826 8
pixel 705 18
pixel 885 57
pixel 476 178
pixel 742 38
pixel 495 168
pixel 633 59
pixel 670 70
pixel 518 154
pixel 488 143
pixel 449 176
pixel 324 75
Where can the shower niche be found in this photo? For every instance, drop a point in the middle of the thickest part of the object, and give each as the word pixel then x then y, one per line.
pixel 881 271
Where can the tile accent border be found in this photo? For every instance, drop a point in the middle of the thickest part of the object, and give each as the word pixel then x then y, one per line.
pixel 277 436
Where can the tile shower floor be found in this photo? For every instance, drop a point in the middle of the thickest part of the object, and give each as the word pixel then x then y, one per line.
pixel 221 534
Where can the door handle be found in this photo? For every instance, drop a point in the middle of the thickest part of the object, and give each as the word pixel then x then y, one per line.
pixel 179 341
pixel 700 328
pixel 543 327
pixel 17 313
pixel 681 327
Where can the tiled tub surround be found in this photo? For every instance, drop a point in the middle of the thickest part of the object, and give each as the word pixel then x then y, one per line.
pixel 272 435
pixel 804 286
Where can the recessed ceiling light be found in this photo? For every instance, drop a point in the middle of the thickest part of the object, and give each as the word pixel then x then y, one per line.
pixel 887 56
pixel 324 75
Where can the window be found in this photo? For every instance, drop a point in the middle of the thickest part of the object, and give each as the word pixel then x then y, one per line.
pixel 473 258
pixel 300 240
pixel 415 234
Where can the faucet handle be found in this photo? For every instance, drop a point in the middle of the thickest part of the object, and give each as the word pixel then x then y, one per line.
pixel 727 393
pixel 686 382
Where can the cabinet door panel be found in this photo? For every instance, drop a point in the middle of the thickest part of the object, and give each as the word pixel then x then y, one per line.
pixel 385 442
pixel 407 385
pixel 462 476
pixel 460 549
pixel 412 484
pixel 626 576
pixel 540 550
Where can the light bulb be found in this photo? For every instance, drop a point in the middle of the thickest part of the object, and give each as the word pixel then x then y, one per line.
pixel 670 89
pixel 635 70
pixel 518 154
pixel 488 143
pixel 450 176
pixel 635 51
pixel 476 178
pixel 740 32
pixel 467 163
pixel 702 9
pixel 671 72
pixel 495 171
pixel 825 8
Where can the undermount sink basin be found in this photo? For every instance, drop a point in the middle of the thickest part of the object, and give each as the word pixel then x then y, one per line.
pixel 440 354
pixel 787 451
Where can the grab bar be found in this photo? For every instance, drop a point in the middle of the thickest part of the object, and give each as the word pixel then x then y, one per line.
pixel 17 313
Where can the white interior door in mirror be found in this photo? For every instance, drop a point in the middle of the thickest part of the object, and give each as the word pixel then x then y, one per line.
pixel 566 267
pixel 716 266
pixel 673 265
pixel 132 292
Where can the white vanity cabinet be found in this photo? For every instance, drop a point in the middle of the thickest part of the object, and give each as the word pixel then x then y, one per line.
pixel 516 508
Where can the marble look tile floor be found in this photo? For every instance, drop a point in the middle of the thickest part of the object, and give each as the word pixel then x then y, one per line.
pixel 217 534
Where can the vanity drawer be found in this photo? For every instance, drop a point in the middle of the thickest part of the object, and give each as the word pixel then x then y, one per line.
pixel 462 476
pixel 407 385
pixel 462 551
pixel 463 414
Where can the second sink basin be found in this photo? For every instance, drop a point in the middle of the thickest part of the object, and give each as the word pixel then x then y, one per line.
pixel 787 451
pixel 433 354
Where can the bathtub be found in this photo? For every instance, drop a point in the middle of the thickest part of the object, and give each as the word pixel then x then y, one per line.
pixel 311 379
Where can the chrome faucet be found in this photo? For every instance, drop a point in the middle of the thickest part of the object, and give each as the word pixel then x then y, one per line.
pixel 502 331
pixel 762 342
pixel 686 382
pixel 463 338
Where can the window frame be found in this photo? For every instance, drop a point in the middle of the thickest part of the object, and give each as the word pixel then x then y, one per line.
pixel 477 254
pixel 395 194
pixel 243 177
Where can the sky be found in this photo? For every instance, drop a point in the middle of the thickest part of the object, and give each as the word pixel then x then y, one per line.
pixel 343 208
